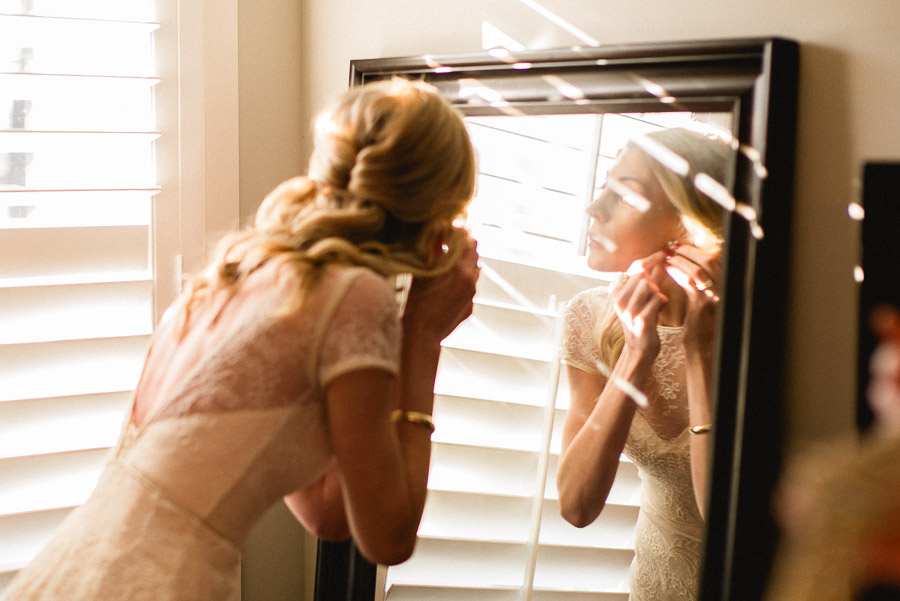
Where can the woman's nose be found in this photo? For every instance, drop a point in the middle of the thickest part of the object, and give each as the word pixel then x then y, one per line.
pixel 597 208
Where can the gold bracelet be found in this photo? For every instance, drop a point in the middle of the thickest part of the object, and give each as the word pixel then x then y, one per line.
pixel 413 417
pixel 701 429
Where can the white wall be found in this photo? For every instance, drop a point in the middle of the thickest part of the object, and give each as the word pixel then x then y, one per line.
pixel 294 58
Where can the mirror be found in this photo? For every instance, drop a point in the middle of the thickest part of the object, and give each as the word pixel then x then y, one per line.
pixel 749 88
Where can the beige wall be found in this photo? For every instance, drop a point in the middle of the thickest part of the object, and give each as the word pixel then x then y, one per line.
pixel 294 57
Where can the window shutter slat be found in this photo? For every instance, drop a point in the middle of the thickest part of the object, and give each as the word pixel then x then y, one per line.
pixel 39 40
pixel 94 208
pixel 78 102
pixel 47 254
pixel 76 367
pixel 107 10
pixel 46 482
pixel 45 313
pixel 45 426
pixel 23 536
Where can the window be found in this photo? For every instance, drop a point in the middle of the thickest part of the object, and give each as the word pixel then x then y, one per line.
pixel 79 240
pixel 491 529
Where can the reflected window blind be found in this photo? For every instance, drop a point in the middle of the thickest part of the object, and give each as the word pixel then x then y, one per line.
pixel 491 529
pixel 77 181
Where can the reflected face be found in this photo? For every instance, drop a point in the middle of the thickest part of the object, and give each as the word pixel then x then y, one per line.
pixel 631 218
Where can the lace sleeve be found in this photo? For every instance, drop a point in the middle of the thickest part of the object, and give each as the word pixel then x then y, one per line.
pixel 578 347
pixel 364 330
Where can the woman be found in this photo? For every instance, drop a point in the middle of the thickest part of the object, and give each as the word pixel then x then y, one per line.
pixel 640 356
pixel 285 370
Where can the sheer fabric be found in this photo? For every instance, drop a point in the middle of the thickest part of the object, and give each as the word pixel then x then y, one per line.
pixel 239 428
pixel 669 527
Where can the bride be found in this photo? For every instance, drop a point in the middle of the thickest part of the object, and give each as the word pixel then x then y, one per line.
pixel 639 356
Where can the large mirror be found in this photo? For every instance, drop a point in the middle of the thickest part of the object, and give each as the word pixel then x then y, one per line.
pixel 547 126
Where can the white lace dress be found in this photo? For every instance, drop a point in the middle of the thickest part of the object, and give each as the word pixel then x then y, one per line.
pixel 244 426
pixel 669 528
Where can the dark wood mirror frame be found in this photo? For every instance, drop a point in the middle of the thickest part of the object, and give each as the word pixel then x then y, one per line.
pixel 756 81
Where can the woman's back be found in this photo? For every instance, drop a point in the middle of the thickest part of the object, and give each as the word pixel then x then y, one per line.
pixel 233 419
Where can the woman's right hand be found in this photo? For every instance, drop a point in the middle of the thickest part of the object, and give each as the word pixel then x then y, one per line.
pixel 638 300
pixel 437 305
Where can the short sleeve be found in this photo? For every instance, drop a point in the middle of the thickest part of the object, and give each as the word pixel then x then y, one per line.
pixel 363 332
pixel 578 347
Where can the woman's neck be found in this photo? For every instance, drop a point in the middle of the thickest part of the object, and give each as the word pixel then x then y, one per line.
pixel 672 313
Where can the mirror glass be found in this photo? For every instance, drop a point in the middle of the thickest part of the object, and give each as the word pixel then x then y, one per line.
pixel 492 521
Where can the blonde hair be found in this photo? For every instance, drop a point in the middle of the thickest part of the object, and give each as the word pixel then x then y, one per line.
pixel 392 167
pixel 676 156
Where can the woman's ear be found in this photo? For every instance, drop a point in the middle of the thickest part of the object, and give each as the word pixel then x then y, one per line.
pixel 439 241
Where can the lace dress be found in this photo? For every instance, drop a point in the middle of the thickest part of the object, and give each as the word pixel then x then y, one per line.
pixel 669 527
pixel 242 427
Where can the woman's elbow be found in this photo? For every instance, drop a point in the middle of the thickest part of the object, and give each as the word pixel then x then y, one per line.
pixel 577 516
pixel 329 531
pixel 388 552
pixel 575 511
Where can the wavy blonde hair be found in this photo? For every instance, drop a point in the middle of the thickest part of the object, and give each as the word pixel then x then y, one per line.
pixel 391 168
pixel 701 216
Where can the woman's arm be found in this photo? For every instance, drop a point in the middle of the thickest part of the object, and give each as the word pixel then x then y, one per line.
pixel 320 506
pixel 383 465
pixel 601 409
pixel 698 273
pixel 594 435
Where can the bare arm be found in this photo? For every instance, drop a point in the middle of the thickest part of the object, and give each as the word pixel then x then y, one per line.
pixel 320 507
pixel 697 272
pixel 601 410
pixel 594 435
pixel 383 466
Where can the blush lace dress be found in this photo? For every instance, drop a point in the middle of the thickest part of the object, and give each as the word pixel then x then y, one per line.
pixel 236 431
pixel 669 528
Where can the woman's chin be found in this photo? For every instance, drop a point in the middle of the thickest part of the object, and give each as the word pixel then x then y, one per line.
pixel 603 264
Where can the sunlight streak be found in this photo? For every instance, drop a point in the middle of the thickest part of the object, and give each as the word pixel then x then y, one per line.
pixel 655 89
pixel 670 160
pixel 504 285
pixel 563 87
pixel 560 22
pixel 632 391
pixel 493 37
pixel 629 196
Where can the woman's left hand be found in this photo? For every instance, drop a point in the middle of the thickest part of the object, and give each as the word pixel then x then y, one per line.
pixel 699 273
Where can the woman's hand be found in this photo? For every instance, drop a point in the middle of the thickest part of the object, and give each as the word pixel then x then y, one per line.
pixel 698 272
pixel 438 304
pixel 638 299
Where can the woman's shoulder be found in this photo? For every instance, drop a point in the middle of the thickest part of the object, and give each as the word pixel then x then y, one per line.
pixel 592 299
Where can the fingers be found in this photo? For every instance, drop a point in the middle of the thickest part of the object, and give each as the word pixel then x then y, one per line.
pixel 440 303
pixel 695 270
pixel 638 300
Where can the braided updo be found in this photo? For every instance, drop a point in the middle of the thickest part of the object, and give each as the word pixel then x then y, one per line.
pixel 392 167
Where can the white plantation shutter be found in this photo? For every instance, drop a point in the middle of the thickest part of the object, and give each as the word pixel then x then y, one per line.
pixel 491 529
pixel 77 186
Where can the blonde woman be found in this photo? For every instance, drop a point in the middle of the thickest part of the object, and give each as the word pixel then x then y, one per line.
pixel 285 370
pixel 640 356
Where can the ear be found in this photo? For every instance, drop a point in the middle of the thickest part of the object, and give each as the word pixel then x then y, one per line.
pixel 438 244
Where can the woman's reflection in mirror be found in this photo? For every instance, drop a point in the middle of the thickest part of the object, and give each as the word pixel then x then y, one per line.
pixel 640 354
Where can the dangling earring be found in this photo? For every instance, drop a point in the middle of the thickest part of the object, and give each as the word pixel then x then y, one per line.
pixel 671 247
